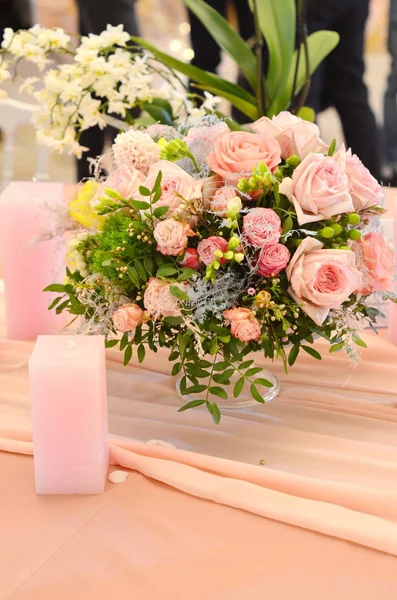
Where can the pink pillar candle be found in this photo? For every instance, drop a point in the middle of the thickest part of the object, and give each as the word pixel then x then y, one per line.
pixel 67 378
pixel 27 211
pixel 392 324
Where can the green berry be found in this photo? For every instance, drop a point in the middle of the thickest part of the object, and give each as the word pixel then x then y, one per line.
pixel 344 248
pixel 279 174
pixel 327 232
pixel 355 234
pixel 353 219
pixel 337 228
pixel 293 161
pixel 252 183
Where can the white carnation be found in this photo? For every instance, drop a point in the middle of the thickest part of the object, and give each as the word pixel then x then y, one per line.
pixel 136 149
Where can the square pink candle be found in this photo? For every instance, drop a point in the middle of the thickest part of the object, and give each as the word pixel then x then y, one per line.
pixel 27 211
pixel 67 377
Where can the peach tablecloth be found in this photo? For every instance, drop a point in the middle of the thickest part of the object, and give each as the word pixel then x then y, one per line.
pixel 318 520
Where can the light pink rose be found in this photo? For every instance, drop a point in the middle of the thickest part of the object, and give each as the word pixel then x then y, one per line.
pixel 172 236
pixel 159 301
pixel 243 324
pixel 208 246
pixel 207 134
pixel 219 202
pixel 364 188
pixel 191 260
pixel 295 136
pixel 175 182
pixel 379 260
pixel 319 189
pixel 125 180
pixel 272 259
pixel 127 317
pixel 322 279
pixel 262 226
pixel 237 153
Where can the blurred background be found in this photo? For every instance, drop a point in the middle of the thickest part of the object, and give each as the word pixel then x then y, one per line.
pixel 165 23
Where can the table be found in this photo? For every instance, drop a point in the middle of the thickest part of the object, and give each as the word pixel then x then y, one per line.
pixel 318 520
pixel 207 518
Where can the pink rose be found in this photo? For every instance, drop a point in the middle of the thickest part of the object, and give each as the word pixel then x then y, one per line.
pixel 208 246
pixel 159 301
pixel 237 153
pixel 219 202
pixel 207 134
pixel 262 226
pixel 273 258
pixel 322 279
pixel 379 260
pixel 125 180
pixel 190 260
pixel 364 189
pixel 295 136
pixel 127 317
pixel 319 189
pixel 243 324
pixel 175 182
pixel 171 236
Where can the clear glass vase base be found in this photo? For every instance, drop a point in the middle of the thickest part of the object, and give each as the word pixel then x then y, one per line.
pixel 245 399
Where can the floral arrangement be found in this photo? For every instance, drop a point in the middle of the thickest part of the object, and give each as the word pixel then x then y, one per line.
pixel 215 243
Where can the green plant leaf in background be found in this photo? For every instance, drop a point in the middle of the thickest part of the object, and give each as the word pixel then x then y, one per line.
pixel 320 44
pixel 227 38
pixel 202 77
pixel 277 20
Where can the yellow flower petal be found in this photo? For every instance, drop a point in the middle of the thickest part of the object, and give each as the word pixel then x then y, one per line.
pixel 80 208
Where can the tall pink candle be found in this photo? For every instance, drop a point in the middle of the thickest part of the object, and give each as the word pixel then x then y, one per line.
pixel 67 378
pixel 27 210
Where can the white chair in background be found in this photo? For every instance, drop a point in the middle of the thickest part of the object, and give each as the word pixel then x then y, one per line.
pixel 14 114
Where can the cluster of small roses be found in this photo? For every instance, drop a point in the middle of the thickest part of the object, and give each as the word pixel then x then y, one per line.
pixel 279 210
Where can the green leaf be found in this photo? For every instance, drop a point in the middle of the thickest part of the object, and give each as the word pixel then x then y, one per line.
pixel 209 81
pixel 218 391
pixel 173 356
pixel 166 271
pixel 149 265
pixel 307 114
pixel 173 320
pixel 176 369
pixel 178 293
pixel 191 404
pixel 54 287
pixel 144 191
pixel 253 371
pixel 238 387
pixel 141 353
pixel 213 409
pixel 54 302
pixel 197 371
pixel 133 275
pixel 312 352
pixel 111 343
pixel 337 347
pixel 264 382
pixel 195 389
pixel 244 106
pixel 287 225
pixel 246 364
pixel 332 148
pixel 293 355
pixel 320 44
pixel 277 20
pixel 141 270
pixel 219 330
pixel 255 393
pixel 357 340
pixel 183 344
pixel 226 37
pixel 60 307
pixel 127 355
pixel 221 366
pixel 223 377
pixel 140 204
pixel 213 347
pixel 124 341
pixel 186 273
pixel 160 211
pixel 158 113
